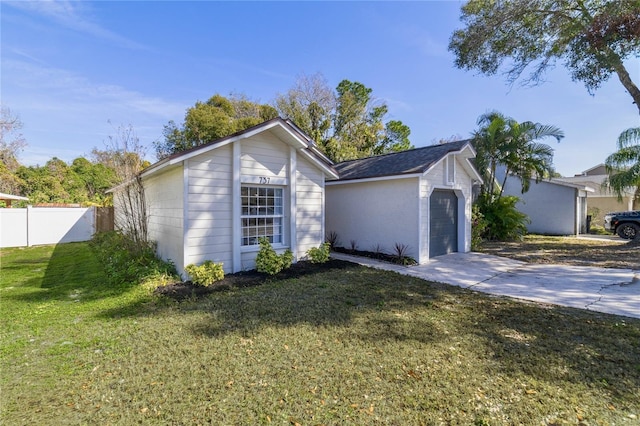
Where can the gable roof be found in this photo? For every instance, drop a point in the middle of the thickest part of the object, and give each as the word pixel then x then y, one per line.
pixel 589 172
pixel 417 160
pixel 283 129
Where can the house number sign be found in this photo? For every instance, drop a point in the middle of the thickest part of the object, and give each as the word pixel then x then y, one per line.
pixel 264 180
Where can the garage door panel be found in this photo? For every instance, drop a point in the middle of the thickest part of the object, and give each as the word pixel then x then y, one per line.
pixel 443 224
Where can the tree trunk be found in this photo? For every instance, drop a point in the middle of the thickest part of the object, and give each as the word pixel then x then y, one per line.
pixel 626 81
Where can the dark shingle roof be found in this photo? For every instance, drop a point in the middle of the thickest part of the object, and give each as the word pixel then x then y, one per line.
pixel 398 163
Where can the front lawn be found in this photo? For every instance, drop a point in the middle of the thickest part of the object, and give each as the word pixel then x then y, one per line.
pixel 347 345
pixel 567 251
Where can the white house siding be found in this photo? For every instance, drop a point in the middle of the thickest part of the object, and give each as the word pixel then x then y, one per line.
pixel 267 157
pixel 551 207
pixel 309 206
pixel 436 178
pixel 264 155
pixel 164 196
pixel 209 229
pixel 379 212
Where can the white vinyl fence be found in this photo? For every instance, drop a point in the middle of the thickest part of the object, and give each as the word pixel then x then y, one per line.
pixel 34 226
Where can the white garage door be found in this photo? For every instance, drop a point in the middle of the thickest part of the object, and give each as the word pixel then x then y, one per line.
pixel 444 223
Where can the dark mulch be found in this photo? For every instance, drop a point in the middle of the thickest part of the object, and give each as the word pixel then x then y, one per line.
pixel 188 290
pixel 385 257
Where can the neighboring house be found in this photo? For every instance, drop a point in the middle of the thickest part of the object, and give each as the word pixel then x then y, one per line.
pixel 602 200
pixel 553 206
pixel 419 198
pixel 8 198
pixel 214 201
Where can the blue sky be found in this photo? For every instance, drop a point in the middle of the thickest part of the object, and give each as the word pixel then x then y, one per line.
pixel 74 71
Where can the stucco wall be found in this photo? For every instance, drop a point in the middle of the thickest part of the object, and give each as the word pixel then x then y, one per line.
pixel 164 196
pixel 382 212
pixel 605 205
pixel 551 207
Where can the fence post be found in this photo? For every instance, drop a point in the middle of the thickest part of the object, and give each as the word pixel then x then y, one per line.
pixel 29 207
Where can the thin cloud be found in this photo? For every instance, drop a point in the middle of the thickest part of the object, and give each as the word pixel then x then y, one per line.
pixel 424 42
pixel 72 15
pixel 55 88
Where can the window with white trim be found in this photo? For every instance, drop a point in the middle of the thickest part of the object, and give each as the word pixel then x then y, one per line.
pixel 451 169
pixel 262 214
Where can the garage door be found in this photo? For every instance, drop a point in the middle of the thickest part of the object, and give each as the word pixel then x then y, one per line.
pixel 444 223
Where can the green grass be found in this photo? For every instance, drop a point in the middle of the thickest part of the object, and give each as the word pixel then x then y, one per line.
pixel 346 346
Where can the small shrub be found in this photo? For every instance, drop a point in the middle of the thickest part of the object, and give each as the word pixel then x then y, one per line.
pixel 353 244
pixel 378 251
pixel 332 239
pixel 319 254
pixel 269 262
pixel 400 253
pixel 205 274
pixel 504 221
pixel 598 230
pixel 127 261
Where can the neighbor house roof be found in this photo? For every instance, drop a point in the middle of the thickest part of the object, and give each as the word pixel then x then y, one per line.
pixel 417 160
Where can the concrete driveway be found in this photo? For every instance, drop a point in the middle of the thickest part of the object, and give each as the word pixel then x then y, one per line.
pixel 612 291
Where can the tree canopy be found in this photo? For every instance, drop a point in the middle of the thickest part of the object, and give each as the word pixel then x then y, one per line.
pixel 623 166
pixel 525 38
pixel 81 182
pixel 207 121
pixel 346 124
pixel 11 144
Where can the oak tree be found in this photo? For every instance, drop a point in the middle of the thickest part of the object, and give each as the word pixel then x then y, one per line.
pixel 525 38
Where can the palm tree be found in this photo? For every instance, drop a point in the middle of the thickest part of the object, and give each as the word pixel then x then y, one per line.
pixel 623 165
pixel 526 157
pixel 503 141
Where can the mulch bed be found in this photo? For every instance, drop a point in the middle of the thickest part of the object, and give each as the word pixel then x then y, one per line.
pixel 188 290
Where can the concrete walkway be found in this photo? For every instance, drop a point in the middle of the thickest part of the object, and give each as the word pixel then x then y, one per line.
pixel 612 291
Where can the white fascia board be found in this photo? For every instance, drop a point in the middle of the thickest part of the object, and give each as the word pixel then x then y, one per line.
pixel 373 179
pixel 298 143
pixel 117 187
pixel 4 196
pixel 472 170
pixel 318 163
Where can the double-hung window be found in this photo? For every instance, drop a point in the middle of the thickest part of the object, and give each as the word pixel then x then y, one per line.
pixel 262 214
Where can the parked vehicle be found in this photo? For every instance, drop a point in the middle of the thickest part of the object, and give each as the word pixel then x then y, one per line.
pixel 625 224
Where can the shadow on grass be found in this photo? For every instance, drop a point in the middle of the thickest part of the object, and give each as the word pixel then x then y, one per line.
pixel 557 344
pixel 72 271
pixel 333 294
pixel 546 343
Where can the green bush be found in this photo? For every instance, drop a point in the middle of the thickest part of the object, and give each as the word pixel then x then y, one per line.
pixel 125 261
pixel 269 262
pixel 205 274
pixel 319 254
pixel 478 227
pixel 503 221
